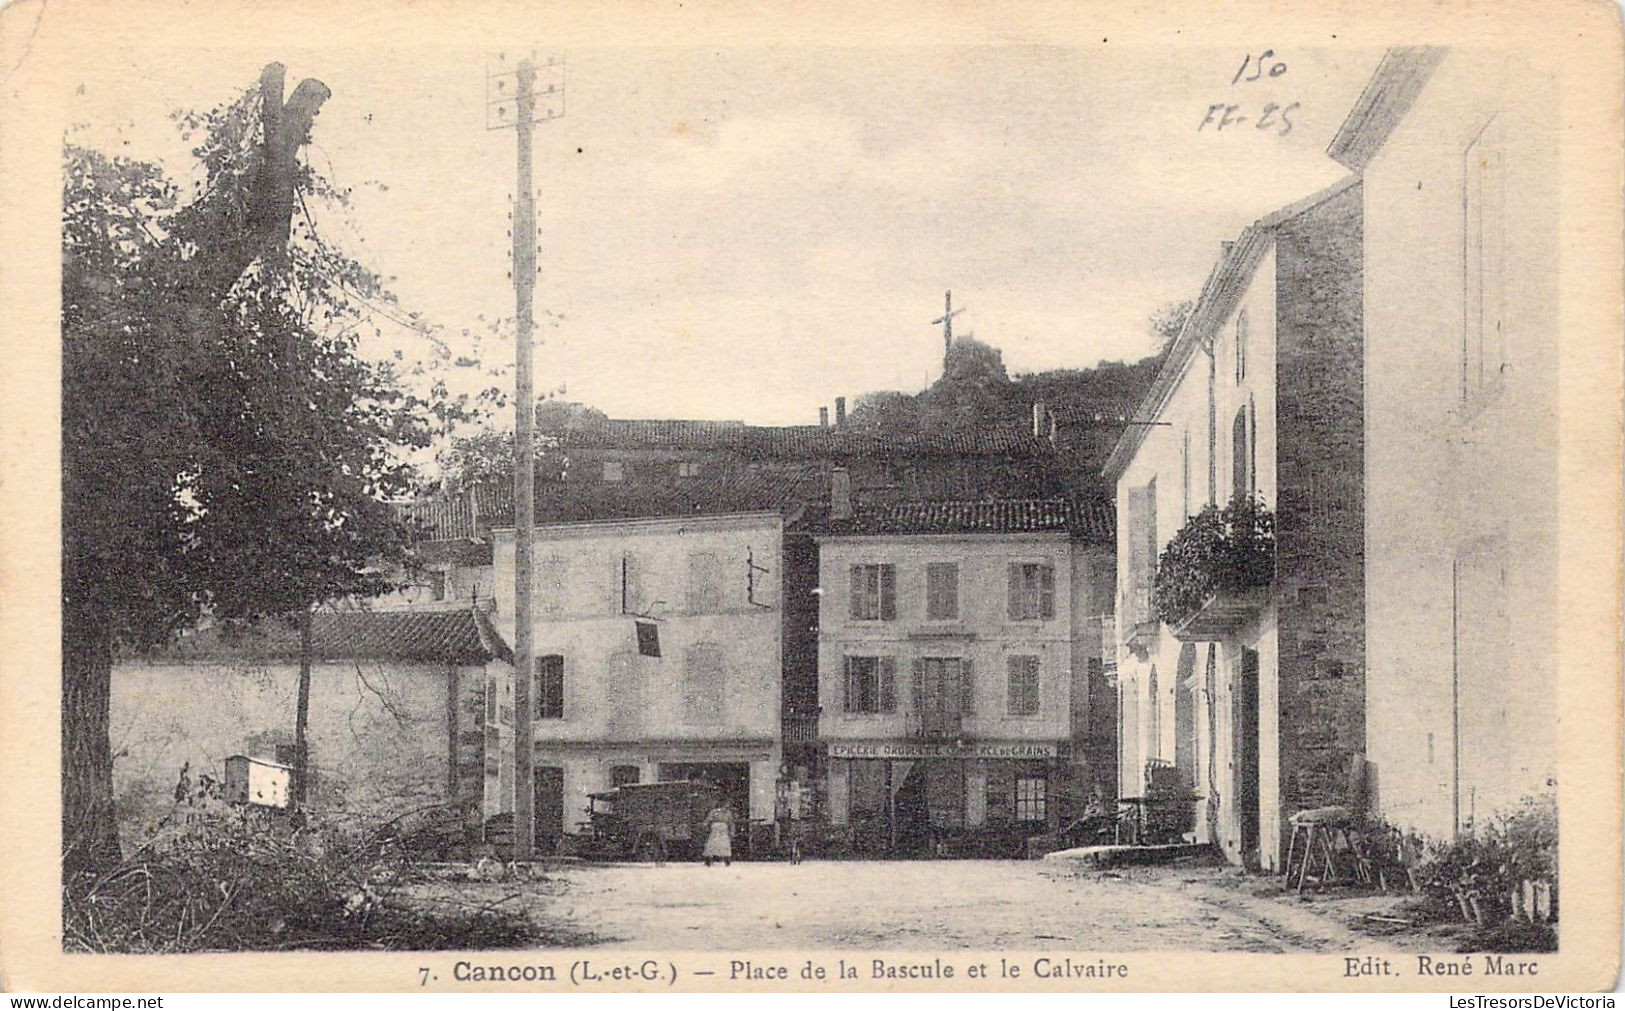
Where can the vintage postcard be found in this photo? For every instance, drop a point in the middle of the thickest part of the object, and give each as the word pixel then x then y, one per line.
pixel 646 497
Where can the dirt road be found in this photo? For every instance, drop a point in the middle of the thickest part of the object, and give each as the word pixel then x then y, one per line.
pixel 899 905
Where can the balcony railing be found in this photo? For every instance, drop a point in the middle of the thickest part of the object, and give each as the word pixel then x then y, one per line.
pixel 936 726
pixel 1139 623
pixel 800 729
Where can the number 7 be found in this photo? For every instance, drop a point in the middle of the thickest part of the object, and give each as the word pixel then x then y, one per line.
pixel 424 979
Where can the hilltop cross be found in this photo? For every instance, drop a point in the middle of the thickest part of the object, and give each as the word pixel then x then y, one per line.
pixel 947 321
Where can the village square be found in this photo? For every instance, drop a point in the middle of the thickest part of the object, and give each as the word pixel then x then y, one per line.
pixel 547 626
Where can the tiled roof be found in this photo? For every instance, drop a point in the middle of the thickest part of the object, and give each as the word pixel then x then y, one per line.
pixel 789 442
pixel 440 518
pixel 1091 521
pixel 636 433
pixel 450 637
pixel 818 441
pixel 782 489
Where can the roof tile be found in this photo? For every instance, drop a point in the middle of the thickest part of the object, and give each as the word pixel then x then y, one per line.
pixel 1091 521
pixel 452 637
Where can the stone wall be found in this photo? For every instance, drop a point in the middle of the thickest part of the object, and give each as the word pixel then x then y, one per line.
pixel 380 740
pixel 1320 495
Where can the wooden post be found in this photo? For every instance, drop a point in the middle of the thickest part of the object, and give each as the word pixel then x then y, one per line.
pixel 524 282
pixel 301 717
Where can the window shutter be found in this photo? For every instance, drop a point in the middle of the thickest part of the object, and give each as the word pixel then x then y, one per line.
pixel 1140 539
pixel 917 686
pixel 888 593
pixel 967 688
pixel 1015 592
pixel 1046 596
pixel 846 688
pixel 887 675
pixel 857 592
pixel 1013 680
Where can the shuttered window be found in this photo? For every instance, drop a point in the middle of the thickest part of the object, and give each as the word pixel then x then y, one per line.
pixel 1032 591
pixel 704 582
pixel 630 596
pixel 874 592
pixel 943 686
pixel 941 591
pixel 1142 546
pixel 1022 685
pixel 967 688
pixel 704 687
pixel 1241 346
pixel 1241 482
pixel 871 684
pixel 549 692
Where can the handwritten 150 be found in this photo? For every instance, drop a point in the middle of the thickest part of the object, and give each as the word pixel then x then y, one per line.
pixel 1273 115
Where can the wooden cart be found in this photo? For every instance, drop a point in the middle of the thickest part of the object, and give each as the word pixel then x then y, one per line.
pixel 649 821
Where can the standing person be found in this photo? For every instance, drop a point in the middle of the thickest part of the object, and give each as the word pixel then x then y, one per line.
pixel 719 839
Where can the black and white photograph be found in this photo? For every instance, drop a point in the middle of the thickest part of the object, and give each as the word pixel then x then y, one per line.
pixel 968 513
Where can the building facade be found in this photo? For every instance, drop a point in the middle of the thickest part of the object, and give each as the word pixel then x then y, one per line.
pixel 703 701
pixel 955 646
pixel 1457 151
pixel 1254 697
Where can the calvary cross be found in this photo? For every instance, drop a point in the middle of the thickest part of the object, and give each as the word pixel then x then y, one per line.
pixel 947 321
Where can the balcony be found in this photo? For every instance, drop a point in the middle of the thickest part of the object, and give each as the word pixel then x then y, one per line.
pixel 1139 625
pixel 1215 575
pixel 1222 615
pixel 936 726
pixel 801 730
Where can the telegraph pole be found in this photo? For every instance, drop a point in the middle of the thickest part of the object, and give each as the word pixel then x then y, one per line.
pixel 515 103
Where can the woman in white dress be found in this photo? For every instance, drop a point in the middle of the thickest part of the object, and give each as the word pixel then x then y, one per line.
pixel 719 838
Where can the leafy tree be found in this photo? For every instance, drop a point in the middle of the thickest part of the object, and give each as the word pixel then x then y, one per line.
pixel 225 450
pixel 1167 321
pixel 885 411
pixel 486 456
pixel 974 388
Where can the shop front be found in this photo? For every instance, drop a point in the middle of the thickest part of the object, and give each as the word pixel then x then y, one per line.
pixel 911 798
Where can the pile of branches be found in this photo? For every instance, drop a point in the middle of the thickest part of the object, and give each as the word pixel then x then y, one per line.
pixel 231 881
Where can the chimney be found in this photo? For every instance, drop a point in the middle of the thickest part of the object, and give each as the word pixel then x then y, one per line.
pixel 823 417
pixel 840 411
pixel 1038 419
pixel 840 491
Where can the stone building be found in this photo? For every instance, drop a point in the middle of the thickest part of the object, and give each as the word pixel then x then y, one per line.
pixel 1255 696
pixel 397 712
pixel 956 644
pixel 701 701
pixel 1457 151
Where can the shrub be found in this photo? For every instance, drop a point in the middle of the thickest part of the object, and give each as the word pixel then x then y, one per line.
pixel 1479 873
pixel 234 879
pixel 1216 551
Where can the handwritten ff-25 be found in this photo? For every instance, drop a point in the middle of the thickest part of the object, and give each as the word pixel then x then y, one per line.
pixel 1271 116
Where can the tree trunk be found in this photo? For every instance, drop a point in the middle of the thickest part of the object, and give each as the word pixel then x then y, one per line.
pixel 89 828
pixel 301 716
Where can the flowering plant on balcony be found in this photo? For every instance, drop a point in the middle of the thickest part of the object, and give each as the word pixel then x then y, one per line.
pixel 1217 551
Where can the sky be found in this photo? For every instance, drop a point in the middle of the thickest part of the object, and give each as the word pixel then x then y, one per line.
pixel 749 233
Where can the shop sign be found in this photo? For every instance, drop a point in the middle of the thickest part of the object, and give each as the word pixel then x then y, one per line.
pixel 927 750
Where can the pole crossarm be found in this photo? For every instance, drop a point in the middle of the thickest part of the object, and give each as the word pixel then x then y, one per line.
pixel 542 90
